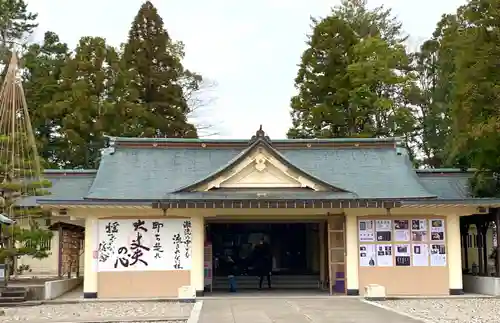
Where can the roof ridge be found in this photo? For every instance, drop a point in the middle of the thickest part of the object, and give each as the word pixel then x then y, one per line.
pixel 69 171
pixel 240 140
pixel 445 170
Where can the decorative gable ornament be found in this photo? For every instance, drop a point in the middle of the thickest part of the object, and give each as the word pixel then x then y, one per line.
pixel 260 163
pixel 259 135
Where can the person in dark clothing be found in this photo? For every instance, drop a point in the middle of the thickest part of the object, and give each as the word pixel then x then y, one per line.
pixel 263 262
pixel 231 275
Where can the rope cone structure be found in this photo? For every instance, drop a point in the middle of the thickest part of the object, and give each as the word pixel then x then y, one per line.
pixel 20 170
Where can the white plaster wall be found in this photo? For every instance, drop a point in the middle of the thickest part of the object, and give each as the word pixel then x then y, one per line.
pixel 46 266
pixel 198 252
pixel 454 251
pixel 56 288
pixel 90 269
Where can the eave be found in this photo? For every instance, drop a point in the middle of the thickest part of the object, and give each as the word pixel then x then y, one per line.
pixel 277 204
pixel 449 203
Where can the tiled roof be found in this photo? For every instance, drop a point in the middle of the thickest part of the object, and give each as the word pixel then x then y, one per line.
pixel 66 185
pixel 446 183
pixel 131 172
pixel 367 169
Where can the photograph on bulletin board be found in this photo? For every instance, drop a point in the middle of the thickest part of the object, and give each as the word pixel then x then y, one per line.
pixel 437 229
pixel 401 230
pixel 383 229
pixel 419 230
pixel 402 255
pixel 366 231
pixel 384 255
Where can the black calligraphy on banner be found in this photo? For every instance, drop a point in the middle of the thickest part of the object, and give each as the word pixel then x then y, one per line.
pixel 184 239
pixel 157 247
pixel 186 225
pixel 106 248
pixel 131 256
pixel 177 239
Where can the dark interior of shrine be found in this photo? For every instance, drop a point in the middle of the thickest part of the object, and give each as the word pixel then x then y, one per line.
pixel 293 245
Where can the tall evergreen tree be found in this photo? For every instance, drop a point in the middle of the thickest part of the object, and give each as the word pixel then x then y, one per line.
pixel 81 103
pixel 16 21
pixel 156 60
pixel 354 77
pixel 435 66
pixel 42 77
pixel 475 96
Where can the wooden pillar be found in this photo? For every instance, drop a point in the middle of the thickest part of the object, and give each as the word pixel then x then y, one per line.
pixel 464 233
pixel 60 252
pixel 322 254
pixel 497 225
pixel 482 229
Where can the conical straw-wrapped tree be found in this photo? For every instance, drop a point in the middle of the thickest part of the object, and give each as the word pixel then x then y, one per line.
pixel 20 176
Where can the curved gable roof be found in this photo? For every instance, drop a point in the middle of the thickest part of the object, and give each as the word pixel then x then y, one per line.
pixel 255 144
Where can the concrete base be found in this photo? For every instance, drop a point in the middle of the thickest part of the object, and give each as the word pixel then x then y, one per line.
pixel 88 295
pixel 186 292
pixel 481 285
pixel 56 288
pixel 375 292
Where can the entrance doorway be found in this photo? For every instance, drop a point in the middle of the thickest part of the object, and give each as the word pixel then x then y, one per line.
pixel 295 246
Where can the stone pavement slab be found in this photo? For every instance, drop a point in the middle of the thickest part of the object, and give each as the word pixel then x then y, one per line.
pixel 283 310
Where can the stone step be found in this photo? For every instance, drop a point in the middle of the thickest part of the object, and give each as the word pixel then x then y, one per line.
pixel 13 288
pixel 14 299
pixel 13 293
pixel 15 304
pixel 279 277
pixel 278 282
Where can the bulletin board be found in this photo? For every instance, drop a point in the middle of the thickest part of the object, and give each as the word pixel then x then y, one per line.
pixel 412 248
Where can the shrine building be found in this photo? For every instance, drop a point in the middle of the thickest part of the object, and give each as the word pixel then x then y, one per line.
pixel 162 214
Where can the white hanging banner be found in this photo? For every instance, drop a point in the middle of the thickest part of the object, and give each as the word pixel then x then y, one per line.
pixel 144 244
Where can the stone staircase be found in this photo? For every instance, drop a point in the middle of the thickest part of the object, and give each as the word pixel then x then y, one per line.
pixel 281 282
pixel 12 296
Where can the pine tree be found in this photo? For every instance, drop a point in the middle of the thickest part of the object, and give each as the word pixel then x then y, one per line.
pixel 16 23
pixel 156 60
pixel 20 175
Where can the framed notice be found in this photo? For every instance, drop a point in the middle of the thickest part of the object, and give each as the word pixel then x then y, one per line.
pixel 418 230
pixel 366 231
pixel 384 255
pixel 438 255
pixel 401 230
pixel 420 255
pixel 437 229
pixel 402 254
pixel 383 230
pixel 367 256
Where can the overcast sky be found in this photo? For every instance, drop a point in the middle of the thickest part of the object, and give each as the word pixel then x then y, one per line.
pixel 250 48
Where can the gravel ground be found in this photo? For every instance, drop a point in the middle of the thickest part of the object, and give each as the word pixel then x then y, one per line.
pixel 471 310
pixel 102 310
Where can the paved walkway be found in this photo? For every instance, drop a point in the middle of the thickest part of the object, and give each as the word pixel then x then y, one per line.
pixel 296 310
pixel 74 294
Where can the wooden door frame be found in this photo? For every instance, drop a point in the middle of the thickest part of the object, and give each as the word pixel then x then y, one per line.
pixel 329 249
